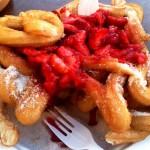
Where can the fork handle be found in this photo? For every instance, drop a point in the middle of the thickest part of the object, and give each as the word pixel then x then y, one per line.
pixel 94 146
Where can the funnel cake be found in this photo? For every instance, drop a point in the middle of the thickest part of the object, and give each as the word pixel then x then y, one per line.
pixel 110 102
pixel 110 94
pixel 111 39
pixel 24 94
pixel 32 28
pixel 9 134
pixel 8 58
pixel 101 60
pixel 139 86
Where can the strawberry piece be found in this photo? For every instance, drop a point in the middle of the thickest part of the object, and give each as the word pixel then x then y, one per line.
pixel 113 36
pixel 49 49
pixel 77 42
pixel 48 73
pixel 141 58
pixel 97 19
pixel 97 37
pixel 69 29
pixel 64 51
pixel 123 38
pixel 50 87
pixel 100 18
pixel 65 81
pixel 38 59
pixel 131 54
pixel 73 63
pixel 103 51
pixel 58 64
pixel 78 22
pixel 70 59
pixel 117 21
pixel 31 52
pixel 50 79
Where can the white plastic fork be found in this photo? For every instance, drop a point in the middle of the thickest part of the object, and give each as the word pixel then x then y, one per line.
pixel 74 134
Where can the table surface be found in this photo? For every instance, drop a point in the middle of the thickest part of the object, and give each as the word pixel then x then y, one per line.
pixel 15 6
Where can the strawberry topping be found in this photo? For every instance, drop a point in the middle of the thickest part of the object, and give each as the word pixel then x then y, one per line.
pixel 98 35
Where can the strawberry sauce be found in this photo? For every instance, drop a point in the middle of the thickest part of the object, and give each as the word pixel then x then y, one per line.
pixel 100 35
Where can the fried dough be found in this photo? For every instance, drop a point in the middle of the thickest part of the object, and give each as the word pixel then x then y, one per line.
pixel 9 134
pixel 8 58
pixel 32 28
pixel 24 94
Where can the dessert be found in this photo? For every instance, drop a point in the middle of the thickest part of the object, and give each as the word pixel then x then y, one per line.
pixel 92 59
pixel 31 28
pixel 24 94
pixel 8 57
pixel 9 134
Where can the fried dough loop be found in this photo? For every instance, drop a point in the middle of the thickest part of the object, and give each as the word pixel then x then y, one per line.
pixel 115 91
pixel 24 94
pixel 9 134
pixel 111 65
pixel 9 58
pixel 32 28
pixel 139 88
pixel 110 101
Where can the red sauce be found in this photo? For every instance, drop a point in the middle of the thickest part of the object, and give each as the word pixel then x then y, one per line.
pixel 53 137
pixel 92 117
pixel 100 35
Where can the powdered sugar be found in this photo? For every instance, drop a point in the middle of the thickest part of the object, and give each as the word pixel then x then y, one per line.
pixel 23 88
pixel 18 80
pixel 21 83
pixel 10 73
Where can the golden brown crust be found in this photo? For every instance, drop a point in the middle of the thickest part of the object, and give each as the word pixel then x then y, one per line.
pixel 9 134
pixel 23 93
pixel 23 32
pixel 141 123
pixel 138 86
pixel 111 65
pixel 9 58
pixel 110 102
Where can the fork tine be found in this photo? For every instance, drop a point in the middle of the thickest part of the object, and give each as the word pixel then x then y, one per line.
pixel 62 127
pixel 66 117
pixel 60 135
pixel 61 120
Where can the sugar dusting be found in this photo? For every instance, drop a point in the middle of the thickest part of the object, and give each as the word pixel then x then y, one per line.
pixel 30 96
pixel 23 88
pixel 18 80
pixel 21 83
